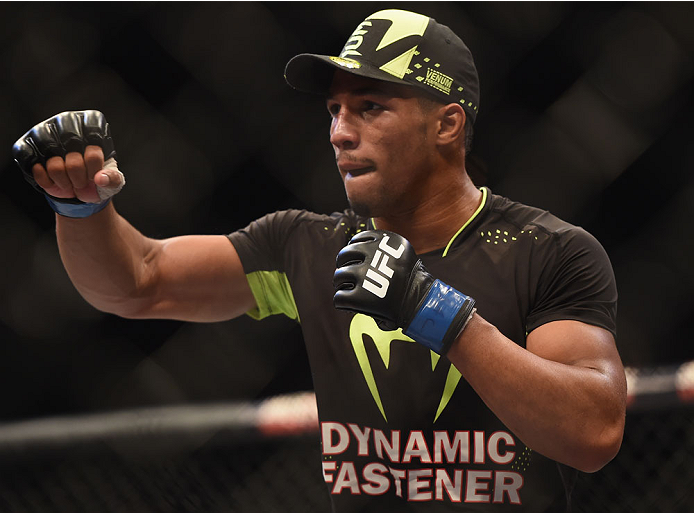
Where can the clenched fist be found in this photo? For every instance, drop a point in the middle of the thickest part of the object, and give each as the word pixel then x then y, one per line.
pixel 70 157
pixel 379 274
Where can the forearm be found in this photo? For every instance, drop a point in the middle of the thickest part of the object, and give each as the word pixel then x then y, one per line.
pixel 106 259
pixel 571 413
pixel 113 266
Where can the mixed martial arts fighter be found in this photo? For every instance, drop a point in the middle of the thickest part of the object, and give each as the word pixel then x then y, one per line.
pixel 463 345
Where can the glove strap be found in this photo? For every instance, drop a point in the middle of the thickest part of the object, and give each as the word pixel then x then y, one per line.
pixel 76 210
pixel 442 316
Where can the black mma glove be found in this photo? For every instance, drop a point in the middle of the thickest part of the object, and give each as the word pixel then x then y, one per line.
pixel 55 137
pixel 379 274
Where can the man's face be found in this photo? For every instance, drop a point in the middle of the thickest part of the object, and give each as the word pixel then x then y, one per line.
pixel 382 141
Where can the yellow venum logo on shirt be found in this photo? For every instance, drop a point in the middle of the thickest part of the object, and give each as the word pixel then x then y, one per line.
pixel 364 325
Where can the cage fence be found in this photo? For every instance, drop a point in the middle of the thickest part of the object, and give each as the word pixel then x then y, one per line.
pixel 264 457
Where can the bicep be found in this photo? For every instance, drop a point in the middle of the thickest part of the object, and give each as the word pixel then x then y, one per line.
pixel 579 344
pixel 196 278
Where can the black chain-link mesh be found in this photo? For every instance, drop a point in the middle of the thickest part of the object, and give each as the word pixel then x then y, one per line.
pixel 653 473
pixel 262 476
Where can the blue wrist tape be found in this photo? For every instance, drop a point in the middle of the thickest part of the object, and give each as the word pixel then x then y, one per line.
pixel 438 311
pixel 76 209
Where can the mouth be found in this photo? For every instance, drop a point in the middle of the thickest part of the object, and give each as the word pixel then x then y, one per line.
pixel 353 170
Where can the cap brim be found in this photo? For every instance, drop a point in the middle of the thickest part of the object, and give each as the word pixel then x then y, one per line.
pixel 312 73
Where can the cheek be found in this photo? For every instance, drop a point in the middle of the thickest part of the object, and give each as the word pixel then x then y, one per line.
pixel 406 151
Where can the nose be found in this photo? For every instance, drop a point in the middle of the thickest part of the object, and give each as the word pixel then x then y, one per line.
pixel 343 133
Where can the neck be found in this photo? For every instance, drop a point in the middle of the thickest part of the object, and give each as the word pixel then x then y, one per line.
pixel 431 224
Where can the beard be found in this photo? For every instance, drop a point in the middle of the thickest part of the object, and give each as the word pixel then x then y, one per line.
pixel 360 208
pixel 377 201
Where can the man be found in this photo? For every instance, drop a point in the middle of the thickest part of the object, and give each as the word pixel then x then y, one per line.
pixel 477 378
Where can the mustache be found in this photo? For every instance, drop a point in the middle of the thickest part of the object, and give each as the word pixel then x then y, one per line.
pixel 351 159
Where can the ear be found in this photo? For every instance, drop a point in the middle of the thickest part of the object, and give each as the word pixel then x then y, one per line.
pixel 451 124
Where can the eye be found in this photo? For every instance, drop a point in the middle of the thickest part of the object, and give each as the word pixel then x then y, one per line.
pixel 333 108
pixel 369 105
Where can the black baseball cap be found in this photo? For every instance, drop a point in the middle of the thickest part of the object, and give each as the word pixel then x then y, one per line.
pixel 401 47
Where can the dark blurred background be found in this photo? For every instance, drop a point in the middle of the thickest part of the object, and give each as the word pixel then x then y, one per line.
pixel 586 110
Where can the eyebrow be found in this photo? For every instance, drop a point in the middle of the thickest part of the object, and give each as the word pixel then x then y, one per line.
pixel 363 91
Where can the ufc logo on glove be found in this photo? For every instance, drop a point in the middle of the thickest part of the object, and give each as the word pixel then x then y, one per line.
pixel 397 291
pixel 379 285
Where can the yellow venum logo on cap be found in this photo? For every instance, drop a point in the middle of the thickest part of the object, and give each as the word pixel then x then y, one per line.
pixel 346 63
pixel 403 24
pixel 439 81
pixel 355 40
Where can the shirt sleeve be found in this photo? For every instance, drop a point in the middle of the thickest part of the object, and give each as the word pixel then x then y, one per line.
pixel 576 282
pixel 262 248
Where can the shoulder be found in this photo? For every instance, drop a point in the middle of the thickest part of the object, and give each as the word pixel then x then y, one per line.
pixel 553 251
pixel 299 229
pixel 297 217
pixel 569 273
pixel 346 222
pixel 306 216
pixel 526 216
pixel 541 226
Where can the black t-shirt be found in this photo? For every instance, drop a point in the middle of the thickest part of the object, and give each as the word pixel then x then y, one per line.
pixel 400 429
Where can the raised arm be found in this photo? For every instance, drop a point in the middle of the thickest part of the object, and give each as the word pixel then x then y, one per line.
pixel 118 270
pixel 114 266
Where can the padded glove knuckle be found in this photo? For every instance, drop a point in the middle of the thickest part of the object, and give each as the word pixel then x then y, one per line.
pixel 344 279
pixel 350 255
pixel 69 131
pixel 365 236
pixel 45 137
pixel 26 155
pixel 60 134
pixel 97 131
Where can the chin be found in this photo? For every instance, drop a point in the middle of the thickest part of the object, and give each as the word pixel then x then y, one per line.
pixel 362 204
pixel 361 209
pixel 369 207
pixel 359 200
pixel 368 199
